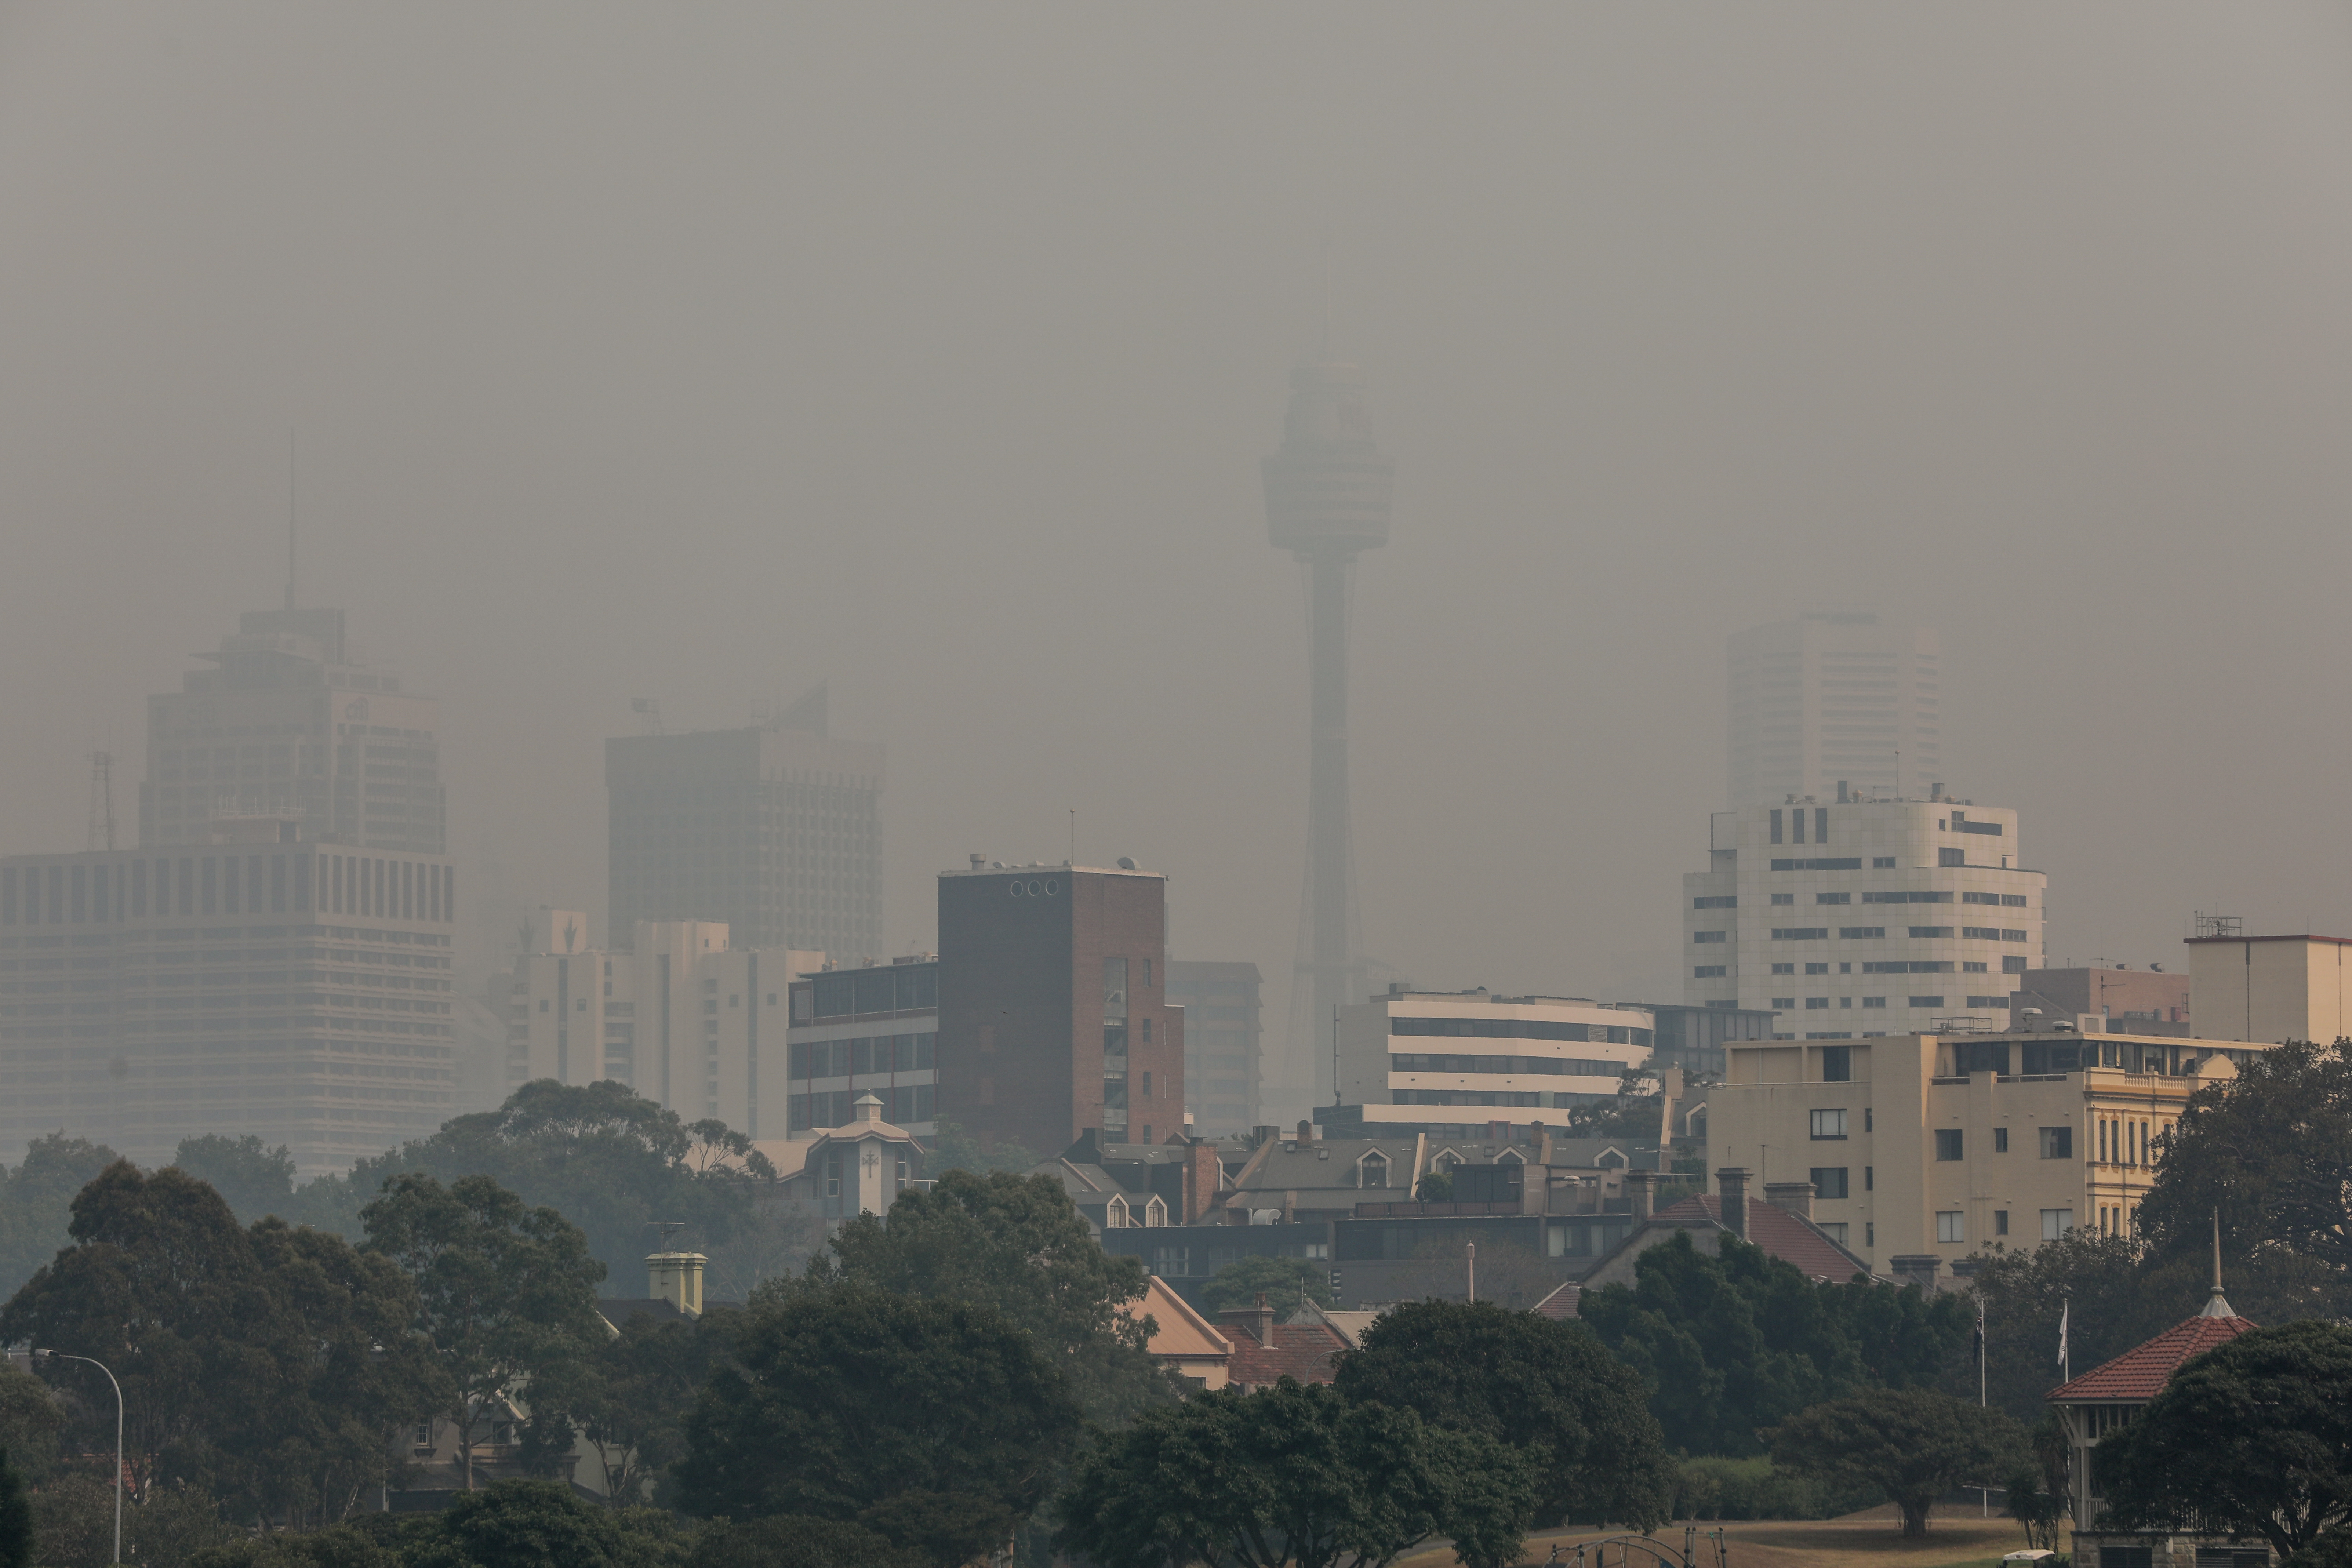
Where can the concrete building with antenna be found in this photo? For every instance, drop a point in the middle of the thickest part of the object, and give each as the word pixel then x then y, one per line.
pixel 775 830
pixel 1327 497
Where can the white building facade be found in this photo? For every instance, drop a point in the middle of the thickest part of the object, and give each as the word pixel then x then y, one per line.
pixel 679 1015
pixel 1452 1062
pixel 1857 918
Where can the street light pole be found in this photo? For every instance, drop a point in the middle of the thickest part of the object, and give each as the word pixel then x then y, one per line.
pixel 60 1355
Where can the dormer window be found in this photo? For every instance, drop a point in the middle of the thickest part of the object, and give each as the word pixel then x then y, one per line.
pixel 1155 1212
pixel 1115 1214
pixel 1372 1170
pixel 1510 1157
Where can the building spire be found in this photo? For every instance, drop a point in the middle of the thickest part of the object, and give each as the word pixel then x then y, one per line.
pixel 2217 1305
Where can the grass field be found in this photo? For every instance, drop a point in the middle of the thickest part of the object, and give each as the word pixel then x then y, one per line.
pixel 1957 1538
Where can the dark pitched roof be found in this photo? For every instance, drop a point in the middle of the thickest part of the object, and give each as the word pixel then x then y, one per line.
pixel 1561 1303
pixel 1780 1234
pixel 1299 1351
pixel 2140 1373
pixel 618 1310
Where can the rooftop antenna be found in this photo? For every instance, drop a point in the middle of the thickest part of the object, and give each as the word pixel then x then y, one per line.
pixel 101 800
pixel 293 510
pixel 668 1227
pixel 649 710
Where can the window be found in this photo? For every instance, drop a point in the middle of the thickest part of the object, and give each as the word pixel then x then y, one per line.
pixel 1837 1064
pixel 1147 1031
pixel 1833 898
pixel 2012 901
pixel 1146 1091
pixel 1845 1001
pixel 1784 897
pixel 1950 1226
pixel 2056 1223
pixel 1372 1170
pixel 1708 972
pixel 1829 1181
pixel 1817 1004
pixel 1801 933
pixel 1784 1001
pixel 2014 964
pixel 1828 1125
pixel 1882 862
pixel 1951 858
pixel 1869 1234
pixel 542 1004
pixel 2057 1143
pixel 1147 975
pixel 1821 825
pixel 1776 827
pixel 1867 1116
pixel 1926 1001
pixel 1931 930
pixel 1862 933
pixel 1708 936
pixel 1716 901
pixel 1834 1229
pixel 1869 1178
pixel 1784 969
pixel 2000 1222
pixel 2000 1140
pixel 1948 1143
pixel 1817 969
pixel 1873 1001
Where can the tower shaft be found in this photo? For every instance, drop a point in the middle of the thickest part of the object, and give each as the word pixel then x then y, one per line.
pixel 1330 859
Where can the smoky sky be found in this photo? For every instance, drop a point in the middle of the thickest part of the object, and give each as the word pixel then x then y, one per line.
pixel 705 353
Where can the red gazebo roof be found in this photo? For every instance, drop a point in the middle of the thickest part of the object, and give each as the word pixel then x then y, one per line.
pixel 2138 1375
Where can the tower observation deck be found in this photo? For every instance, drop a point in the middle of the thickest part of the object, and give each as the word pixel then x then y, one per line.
pixel 1326 501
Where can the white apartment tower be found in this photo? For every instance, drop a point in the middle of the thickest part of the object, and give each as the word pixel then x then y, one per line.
pixel 1831 697
pixel 1859 918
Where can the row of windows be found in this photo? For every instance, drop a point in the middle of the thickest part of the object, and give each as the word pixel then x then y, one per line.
pixel 878 1053
pixel 1522 1029
pixel 1951 1227
pixel 1817 1003
pixel 1833 863
pixel 1540 1067
pixel 902 1105
pixel 897 988
pixel 230 884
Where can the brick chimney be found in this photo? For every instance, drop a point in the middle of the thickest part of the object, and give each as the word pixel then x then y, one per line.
pixel 1796 1197
pixel 1641 1194
pixel 1918 1269
pixel 1305 1131
pixel 1731 1182
pixel 1204 1177
pixel 1256 1320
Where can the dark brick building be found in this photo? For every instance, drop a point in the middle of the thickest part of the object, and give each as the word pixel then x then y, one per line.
pixel 1054 1019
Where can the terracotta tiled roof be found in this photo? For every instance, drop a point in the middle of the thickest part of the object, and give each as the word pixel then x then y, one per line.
pixel 1561 1303
pixel 1300 1350
pixel 1780 1234
pixel 2140 1374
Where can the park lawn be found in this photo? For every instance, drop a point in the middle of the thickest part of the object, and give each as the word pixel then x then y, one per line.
pixel 1871 1539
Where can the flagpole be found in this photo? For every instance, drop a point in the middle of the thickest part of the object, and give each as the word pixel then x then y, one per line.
pixel 1984 1494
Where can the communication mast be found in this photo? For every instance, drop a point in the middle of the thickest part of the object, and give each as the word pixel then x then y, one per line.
pixel 101 800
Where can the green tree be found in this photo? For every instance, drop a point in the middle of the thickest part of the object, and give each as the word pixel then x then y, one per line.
pixel 29 1423
pixel 1437 1187
pixel 15 1518
pixel 1292 1474
pixel 252 1179
pixel 953 1149
pixel 1914 1444
pixel 1544 1387
pixel 1017 1243
pixel 628 1397
pixel 37 1202
pixel 2271 1152
pixel 524 1524
pixel 505 1291
pixel 841 1395
pixel 1286 1283
pixel 1730 1345
pixel 797 1541
pixel 2254 1435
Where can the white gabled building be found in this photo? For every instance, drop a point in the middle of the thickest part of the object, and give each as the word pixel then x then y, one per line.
pixel 1857 918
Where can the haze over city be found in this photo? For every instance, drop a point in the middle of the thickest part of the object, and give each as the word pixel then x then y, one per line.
pixel 708 355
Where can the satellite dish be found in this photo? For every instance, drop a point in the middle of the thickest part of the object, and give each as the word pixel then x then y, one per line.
pixel 1126 864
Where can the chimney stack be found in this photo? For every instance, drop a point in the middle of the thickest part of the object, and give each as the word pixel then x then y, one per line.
pixel 677 1278
pixel 1918 1269
pixel 1306 1131
pixel 1731 1182
pixel 980 862
pixel 1205 1178
pixel 1641 1194
pixel 1795 1197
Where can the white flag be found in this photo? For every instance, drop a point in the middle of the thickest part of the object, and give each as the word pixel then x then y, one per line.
pixel 2062 1314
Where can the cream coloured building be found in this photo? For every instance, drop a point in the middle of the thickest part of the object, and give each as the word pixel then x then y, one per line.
pixel 1857 918
pixel 679 1015
pixel 2271 988
pixel 1924 1145
pixel 1451 1062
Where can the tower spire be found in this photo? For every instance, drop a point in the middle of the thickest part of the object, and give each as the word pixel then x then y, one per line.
pixel 2217 1305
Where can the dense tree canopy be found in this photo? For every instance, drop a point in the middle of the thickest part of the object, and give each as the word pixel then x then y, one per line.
pixel 1914 1444
pixel 1292 1474
pixel 15 1518
pixel 1730 1345
pixel 1544 1387
pixel 627 1397
pixel 934 1421
pixel 254 1181
pixel 2255 1436
pixel 2095 1281
pixel 1017 1243
pixel 504 1291
pixel 269 1366
pixel 36 1201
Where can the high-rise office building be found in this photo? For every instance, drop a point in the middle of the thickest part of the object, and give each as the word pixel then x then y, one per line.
pixel 1863 918
pixel 681 1015
pixel 1053 1016
pixel 874 1029
pixel 1327 502
pixel 1830 699
pixel 257 983
pixel 774 831
pixel 1223 1044
pixel 286 725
